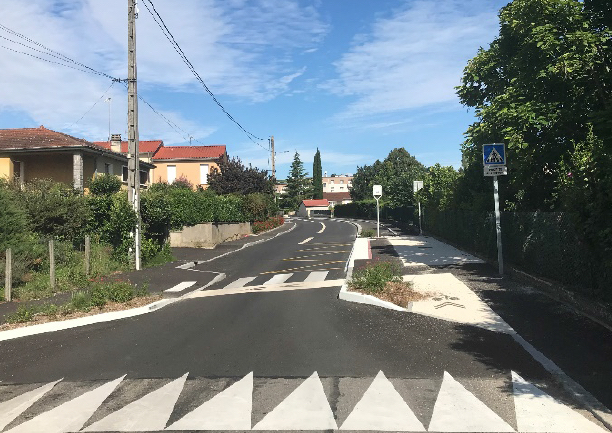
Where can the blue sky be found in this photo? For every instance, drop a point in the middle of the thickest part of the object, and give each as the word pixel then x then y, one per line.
pixel 355 78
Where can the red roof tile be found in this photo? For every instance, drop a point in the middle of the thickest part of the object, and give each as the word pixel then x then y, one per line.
pixel 310 203
pixel 190 152
pixel 337 196
pixel 37 138
pixel 144 146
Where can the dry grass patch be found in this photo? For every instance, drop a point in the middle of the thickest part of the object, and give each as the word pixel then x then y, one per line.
pixel 398 293
pixel 40 318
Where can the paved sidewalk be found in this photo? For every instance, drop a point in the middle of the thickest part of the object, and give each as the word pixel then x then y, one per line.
pixel 577 345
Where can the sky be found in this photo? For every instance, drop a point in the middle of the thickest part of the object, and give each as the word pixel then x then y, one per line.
pixel 353 78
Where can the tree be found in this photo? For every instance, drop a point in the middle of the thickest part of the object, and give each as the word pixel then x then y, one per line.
pixel 399 171
pixel 539 87
pixel 297 184
pixel 317 176
pixel 233 177
pixel 439 187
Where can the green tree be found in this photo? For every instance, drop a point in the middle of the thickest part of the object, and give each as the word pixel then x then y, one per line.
pixel 317 176
pixel 235 178
pixel 439 187
pixel 399 171
pixel 297 184
pixel 538 87
pixel 363 180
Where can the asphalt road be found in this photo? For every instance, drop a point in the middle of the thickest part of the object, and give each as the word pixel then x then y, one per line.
pixel 282 337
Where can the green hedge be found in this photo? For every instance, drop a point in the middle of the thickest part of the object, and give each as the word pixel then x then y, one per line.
pixel 366 209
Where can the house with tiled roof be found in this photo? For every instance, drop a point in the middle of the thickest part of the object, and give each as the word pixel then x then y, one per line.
pixel 40 153
pixel 193 163
pixel 309 208
pixel 335 198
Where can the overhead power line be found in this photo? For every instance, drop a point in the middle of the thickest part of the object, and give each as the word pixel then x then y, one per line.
pixel 168 34
pixel 51 53
pixel 95 103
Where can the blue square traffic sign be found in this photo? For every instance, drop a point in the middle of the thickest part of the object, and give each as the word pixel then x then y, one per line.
pixel 494 154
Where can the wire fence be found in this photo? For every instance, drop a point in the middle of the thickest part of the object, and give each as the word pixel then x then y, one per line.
pixel 545 244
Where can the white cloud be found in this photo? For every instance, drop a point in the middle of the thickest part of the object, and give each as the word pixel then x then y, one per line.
pixel 414 58
pixel 225 39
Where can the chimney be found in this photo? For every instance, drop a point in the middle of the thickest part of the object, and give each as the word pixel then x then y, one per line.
pixel 325 174
pixel 115 142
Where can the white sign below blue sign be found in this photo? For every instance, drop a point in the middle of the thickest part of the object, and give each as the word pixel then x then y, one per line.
pixel 494 154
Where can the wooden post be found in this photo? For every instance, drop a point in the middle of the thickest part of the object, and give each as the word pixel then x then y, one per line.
pixel 52 264
pixel 8 276
pixel 87 254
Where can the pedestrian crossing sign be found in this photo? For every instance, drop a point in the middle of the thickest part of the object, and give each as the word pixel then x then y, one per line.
pixel 494 154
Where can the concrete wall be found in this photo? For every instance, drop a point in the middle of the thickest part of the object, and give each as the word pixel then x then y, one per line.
pixel 187 169
pixel 208 235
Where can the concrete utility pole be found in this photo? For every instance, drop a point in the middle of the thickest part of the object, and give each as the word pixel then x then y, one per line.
pixel 133 145
pixel 272 156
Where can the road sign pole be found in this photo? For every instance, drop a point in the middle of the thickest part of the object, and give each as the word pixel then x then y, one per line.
pixel 500 259
pixel 420 225
pixel 377 218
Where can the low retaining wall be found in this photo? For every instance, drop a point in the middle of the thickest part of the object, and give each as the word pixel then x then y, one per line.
pixel 208 235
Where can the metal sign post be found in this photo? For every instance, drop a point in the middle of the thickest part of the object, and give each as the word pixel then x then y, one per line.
pixel 417 185
pixel 377 193
pixel 494 160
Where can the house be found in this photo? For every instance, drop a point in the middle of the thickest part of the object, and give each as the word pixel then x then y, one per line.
pixel 335 198
pixel 309 208
pixel 280 187
pixel 341 183
pixel 193 163
pixel 40 153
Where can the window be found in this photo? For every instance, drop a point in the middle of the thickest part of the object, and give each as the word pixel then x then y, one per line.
pixel 332 189
pixel 341 181
pixel 171 173
pixel 203 174
pixel 324 184
pixel 124 173
pixel 341 188
pixel 108 168
pixel 331 182
pixel 144 177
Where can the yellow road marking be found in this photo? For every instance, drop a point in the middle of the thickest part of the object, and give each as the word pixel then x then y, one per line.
pixel 317 255
pixel 317 249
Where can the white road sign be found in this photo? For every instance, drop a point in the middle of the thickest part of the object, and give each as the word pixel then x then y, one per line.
pixel 495 170
pixel 377 190
pixel 417 185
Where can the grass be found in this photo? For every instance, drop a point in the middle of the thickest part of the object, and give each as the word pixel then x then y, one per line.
pixel 384 281
pixel 368 233
pixel 97 296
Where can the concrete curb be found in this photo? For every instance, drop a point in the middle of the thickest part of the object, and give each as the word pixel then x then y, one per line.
pixel 43 328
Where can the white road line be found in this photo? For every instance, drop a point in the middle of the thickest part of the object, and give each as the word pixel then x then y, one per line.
pixel 266 288
pixel 322 228
pixel 240 282
pixel 180 287
pixel 9 410
pixel 305 240
pixel 279 279
pixel 314 277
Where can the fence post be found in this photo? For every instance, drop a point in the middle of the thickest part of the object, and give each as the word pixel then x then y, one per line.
pixel 52 264
pixel 8 276
pixel 87 254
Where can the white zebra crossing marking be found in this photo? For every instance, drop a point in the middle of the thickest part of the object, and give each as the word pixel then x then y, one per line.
pixel 278 279
pixel 537 411
pixel 229 410
pixel 382 408
pixel 305 241
pixel 455 410
pixel 317 276
pixel 9 410
pixel 240 282
pixel 150 412
pixel 69 416
pixel 306 408
pixel 181 286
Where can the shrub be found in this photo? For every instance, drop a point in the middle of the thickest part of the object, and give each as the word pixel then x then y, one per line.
pixel 269 224
pixel 374 276
pixel 368 233
pixel 105 184
pixel 182 183
pixel 22 315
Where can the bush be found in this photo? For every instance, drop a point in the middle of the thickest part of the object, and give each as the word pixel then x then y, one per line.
pixel 269 224
pixel 368 233
pixel 105 184
pixel 374 276
pixel 366 209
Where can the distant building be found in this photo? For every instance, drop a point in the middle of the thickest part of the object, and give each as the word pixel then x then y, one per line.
pixel 310 208
pixel 280 187
pixel 335 198
pixel 341 183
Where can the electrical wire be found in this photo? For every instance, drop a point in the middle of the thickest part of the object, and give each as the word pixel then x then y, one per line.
pixel 51 53
pixel 95 103
pixel 168 34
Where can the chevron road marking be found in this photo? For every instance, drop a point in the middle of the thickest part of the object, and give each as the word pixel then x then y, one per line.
pixel 9 410
pixel 305 241
pixel 267 288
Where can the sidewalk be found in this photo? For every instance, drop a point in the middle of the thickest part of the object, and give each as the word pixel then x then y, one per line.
pixel 579 346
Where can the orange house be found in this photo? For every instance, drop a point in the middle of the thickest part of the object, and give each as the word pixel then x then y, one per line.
pixel 193 163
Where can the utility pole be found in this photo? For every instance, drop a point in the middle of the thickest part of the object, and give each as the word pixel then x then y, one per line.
pixel 272 158
pixel 133 145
